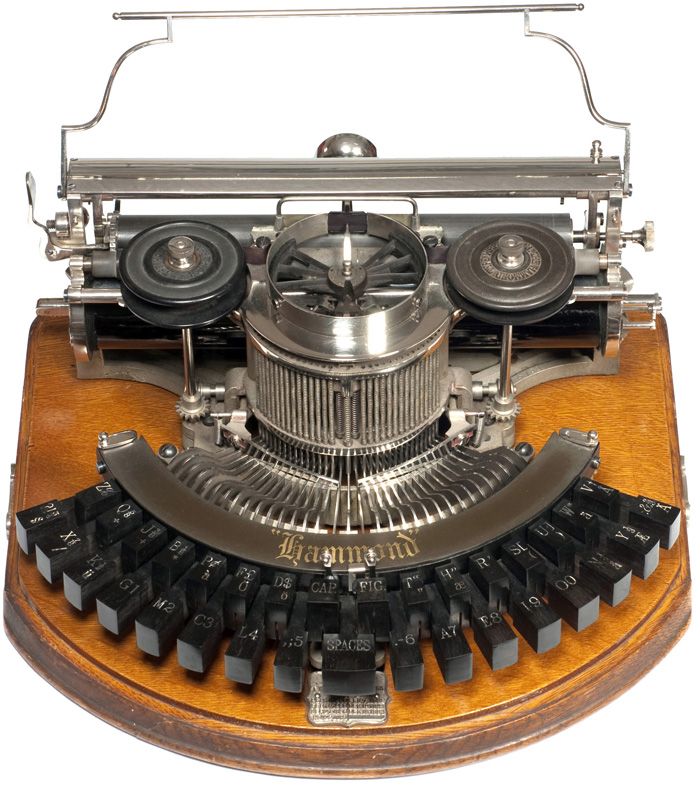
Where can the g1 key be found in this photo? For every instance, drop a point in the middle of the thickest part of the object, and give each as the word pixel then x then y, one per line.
pixel 120 603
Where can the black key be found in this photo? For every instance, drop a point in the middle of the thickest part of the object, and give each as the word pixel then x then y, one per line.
pixel 83 581
pixel 60 549
pixel 240 595
pixel 292 654
pixel 141 545
pixel 525 565
pixel 120 603
pixel 556 546
pixel 279 603
pixel 198 642
pixel 158 625
pixel 450 646
pixel 407 668
pixel 593 496
pixel 245 651
pixel 113 525
pixel 608 577
pixel 34 522
pixel 203 579
pixel 348 656
pixel 576 522
pixel 452 588
pixel 661 519
pixel 637 547
pixel 490 578
pixel 92 502
pixel 534 619
pixel 323 606
pixel 576 604
pixel 373 606
pixel 416 601
pixel 494 638
pixel 172 562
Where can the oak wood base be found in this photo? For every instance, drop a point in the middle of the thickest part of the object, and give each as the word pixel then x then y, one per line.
pixel 264 730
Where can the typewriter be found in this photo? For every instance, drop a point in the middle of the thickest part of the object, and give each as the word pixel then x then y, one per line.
pixel 331 492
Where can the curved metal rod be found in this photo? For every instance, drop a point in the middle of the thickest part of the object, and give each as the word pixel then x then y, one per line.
pixel 105 100
pixel 592 109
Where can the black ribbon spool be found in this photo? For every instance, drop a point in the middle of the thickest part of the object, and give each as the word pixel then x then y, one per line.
pixel 161 293
pixel 523 293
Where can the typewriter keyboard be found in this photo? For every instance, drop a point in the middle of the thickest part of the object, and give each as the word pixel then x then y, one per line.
pixel 172 594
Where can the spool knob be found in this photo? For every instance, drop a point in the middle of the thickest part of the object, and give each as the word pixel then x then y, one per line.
pixel 180 275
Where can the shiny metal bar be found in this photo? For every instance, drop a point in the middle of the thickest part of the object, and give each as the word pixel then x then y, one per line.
pixel 504 379
pixel 190 380
pixel 325 12
pixel 343 178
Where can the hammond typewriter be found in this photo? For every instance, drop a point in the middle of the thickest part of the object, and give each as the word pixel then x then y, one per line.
pixel 357 508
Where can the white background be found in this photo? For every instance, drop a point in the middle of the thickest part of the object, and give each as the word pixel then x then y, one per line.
pixel 445 86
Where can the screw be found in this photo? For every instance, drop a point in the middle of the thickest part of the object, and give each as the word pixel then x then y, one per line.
pixel 167 451
pixel 326 559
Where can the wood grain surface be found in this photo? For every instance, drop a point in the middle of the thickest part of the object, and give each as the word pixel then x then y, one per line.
pixel 265 730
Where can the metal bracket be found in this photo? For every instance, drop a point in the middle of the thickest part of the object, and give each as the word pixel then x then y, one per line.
pixel 169 16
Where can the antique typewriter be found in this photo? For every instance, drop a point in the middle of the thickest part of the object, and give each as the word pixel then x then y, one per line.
pixel 344 518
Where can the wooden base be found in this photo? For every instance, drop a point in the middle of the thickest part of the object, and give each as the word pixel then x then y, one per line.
pixel 264 730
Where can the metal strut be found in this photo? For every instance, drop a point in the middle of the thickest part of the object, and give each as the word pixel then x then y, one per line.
pixel 169 16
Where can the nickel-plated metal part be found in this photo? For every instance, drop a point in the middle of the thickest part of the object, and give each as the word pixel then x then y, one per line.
pixel 151 484
pixel 346 144
pixel 332 12
pixel 345 178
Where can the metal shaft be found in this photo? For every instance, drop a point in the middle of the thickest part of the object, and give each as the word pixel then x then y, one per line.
pixel 190 387
pixel 504 384
pixel 320 12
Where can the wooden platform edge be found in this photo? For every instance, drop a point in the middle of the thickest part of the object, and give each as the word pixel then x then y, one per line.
pixel 359 753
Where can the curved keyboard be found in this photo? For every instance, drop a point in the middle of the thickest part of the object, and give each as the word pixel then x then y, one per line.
pixel 184 574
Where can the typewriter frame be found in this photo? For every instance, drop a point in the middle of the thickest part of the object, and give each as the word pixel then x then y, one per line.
pixel 606 180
